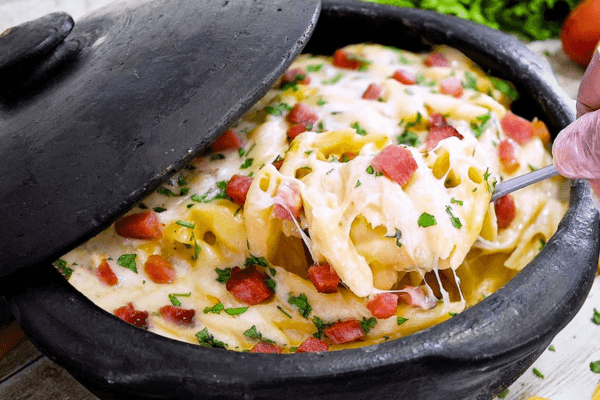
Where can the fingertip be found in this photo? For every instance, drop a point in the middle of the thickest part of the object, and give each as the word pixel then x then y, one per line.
pixel 588 97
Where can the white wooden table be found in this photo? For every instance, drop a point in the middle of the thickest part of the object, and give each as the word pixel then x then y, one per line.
pixel 26 374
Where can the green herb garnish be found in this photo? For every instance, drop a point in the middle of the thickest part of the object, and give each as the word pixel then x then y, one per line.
pixel 223 274
pixel 278 109
pixel 368 323
pixel 333 80
pixel 61 266
pixel 128 261
pixel 205 339
pixel 426 220
pixel 359 129
pixel 401 320
pixel 304 307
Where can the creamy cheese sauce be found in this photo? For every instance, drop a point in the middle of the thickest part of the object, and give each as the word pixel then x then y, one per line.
pixel 436 236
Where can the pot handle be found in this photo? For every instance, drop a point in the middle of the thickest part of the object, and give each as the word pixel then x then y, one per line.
pixel 28 52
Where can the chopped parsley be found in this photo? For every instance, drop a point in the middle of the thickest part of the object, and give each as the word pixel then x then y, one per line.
pixel 551 348
pixel 257 261
pixel 359 129
pixel 596 318
pixel 422 81
pixel 247 163
pixel 321 102
pixel 241 152
pixel 212 194
pixel 304 307
pixel 368 323
pixel 166 192
pixel 159 209
pixel 284 312
pixel 216 309
pixel 503 394
pixel 408 138
pixel 223 274
pixel 314 67
pixel 452 314
pixel 333 80
pixel 357 184
pixel 397 236
pixel 531 167
pixel 455 221
pixel 454 201
pixel 217 156
pixel 542 244
pixel 61 266
pixel 471 81
pixel 174 300
pixel 205 339
pixel 278 109
pixel 402 59
pixel 363 62
pixel 505 88
pixel 426 220
pixel 370 170
pixel 401 320
pixel 595 366
pixel 417 121
pixel 540 375
pixel 128 261
pixel 321 326
pixel 490 187
pixel 186 224
pixel 254 334
pixel 479 127
pixel 236 311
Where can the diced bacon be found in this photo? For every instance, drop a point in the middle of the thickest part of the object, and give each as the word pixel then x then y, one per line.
pixel 540 130
pixel 384 305
pixel 237 188
pixel 452 87
pixel 287 201
pixel 177 315
pixel 437 119
pixel 517 128
pixel 313 345
pixel 507 154
pixel 405 77
pixel 324 278
pixel 278 163
pixel 295 75
pixel 505 211
pixel 373 92
pixel 436 60
pixel 106 274
pixel 159 270
pixel 302 114
pixel 395 162
pixel 439 133
pixel 228 140
pixel 348 61
pixel 143 225
pixel 248 285
pixel 414 296
pixel 267 348
pixel 134 317
pixel 295 130
pixel 344 331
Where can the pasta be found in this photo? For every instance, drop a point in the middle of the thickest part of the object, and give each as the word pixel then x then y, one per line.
pixel 350 206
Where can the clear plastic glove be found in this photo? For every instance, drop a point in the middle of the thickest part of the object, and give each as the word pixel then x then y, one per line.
pixel 576 150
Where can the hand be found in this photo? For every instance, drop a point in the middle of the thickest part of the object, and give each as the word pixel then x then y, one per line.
pixel 576 149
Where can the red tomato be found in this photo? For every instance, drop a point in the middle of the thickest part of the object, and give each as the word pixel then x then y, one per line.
pixel 505 211
pixel 312 345
pixel 228 140
pixel 324 278
pixel 264 347
pixel 248 285
pixel 384 305
pixel 106 274
pixel 159 270
pixel 507 154
pixel 177 315
pixel 344 331
pixel 144 225
pixel 237 188
pixel 581 31
pixel 129 314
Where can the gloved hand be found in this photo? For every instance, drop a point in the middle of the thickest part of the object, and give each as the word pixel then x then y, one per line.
pixel 576 150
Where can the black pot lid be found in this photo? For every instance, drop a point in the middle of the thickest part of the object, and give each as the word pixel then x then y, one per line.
pixel 91 124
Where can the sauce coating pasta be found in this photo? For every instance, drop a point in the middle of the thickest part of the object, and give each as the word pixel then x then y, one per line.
pixel 350 206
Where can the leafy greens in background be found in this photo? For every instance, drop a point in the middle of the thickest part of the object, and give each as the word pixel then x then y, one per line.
pixel 532 19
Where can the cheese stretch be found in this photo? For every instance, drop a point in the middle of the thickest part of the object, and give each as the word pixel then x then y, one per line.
pixel 320 155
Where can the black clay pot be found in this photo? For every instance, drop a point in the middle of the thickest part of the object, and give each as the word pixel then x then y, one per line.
pixel 474 355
